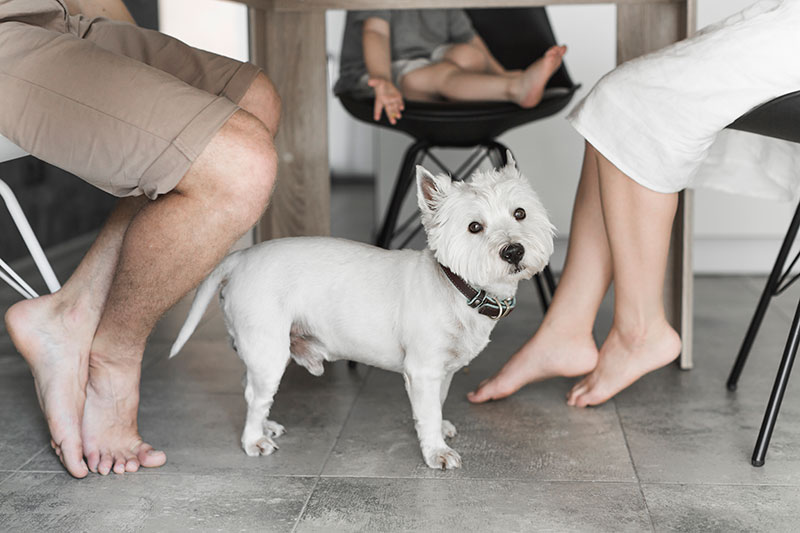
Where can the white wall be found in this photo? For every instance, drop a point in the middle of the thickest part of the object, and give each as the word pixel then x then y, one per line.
pixel 213 25
pixel 550 151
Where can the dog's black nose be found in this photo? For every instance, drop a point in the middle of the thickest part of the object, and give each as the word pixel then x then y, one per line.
pixel 512 253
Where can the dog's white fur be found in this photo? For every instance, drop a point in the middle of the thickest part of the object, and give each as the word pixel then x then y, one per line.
pixel 316 299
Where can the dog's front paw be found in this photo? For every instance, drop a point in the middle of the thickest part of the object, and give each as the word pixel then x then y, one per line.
pixel 448 429
pixel 443 459
pixel 261 446
pixel 273 429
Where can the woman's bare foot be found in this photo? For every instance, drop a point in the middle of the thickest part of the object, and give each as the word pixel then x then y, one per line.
pixel 111 440
pixel 529 87
pixel 623 360
pixel 549 353
pixel 55 339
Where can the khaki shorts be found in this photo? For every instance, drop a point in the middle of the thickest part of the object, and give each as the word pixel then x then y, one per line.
pixel 125 108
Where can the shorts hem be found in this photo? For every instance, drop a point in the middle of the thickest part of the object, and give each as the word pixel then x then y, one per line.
pixel 167 170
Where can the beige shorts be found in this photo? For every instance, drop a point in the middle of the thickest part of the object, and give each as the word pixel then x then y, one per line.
pixel 125 108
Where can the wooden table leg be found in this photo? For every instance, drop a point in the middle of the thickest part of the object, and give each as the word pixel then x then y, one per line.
pixel 642 29
pixel 290 47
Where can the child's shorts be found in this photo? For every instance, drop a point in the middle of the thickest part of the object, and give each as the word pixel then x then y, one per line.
pixel 401 67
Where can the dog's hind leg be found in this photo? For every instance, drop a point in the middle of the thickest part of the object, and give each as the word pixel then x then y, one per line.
pixel 266 357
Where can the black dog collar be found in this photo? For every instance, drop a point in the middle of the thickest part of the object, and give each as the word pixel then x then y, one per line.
pixel 490 306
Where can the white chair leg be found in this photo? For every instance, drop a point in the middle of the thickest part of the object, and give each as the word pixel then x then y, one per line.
pixel 31 242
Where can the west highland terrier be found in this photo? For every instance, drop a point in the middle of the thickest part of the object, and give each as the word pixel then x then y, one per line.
pixel 424 314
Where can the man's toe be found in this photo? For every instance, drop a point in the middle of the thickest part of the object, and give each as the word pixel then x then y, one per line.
pixel 150 458
pixel 71 455
pixel 106 462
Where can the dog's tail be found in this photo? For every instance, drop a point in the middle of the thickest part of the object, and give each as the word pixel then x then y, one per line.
pixel 207 289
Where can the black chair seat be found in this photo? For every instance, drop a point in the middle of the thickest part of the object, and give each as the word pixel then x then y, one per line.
pixel 779 118
pixel 460 124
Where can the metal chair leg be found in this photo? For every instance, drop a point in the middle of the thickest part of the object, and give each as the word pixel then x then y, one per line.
pixel 775 398
pixel 33 245
pixel 497 153
pixel 551 281
pixel 542 293
pixel 766 296
pixel 403 183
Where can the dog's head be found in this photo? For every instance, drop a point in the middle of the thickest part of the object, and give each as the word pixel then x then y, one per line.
pixel 491 229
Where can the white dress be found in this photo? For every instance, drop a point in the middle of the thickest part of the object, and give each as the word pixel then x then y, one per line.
pixel 661 118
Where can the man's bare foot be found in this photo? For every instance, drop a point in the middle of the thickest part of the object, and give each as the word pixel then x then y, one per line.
pixel 623 360
pixel 528 89
pixel 111 440
pixel 549 353
pixel 55 338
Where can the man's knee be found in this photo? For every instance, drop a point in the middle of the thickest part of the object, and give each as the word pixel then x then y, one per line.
pixel 236 173
pixel 263 101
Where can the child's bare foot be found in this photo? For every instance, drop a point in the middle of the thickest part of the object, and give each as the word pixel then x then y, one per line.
pixel 55 338
pixel 547 354
pixel 623 360
pixel 527 90
pixel 111 440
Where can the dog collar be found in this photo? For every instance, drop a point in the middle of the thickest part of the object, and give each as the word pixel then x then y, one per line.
pixel 490 306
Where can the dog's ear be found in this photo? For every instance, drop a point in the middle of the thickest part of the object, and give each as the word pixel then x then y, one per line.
pixel 510 163
pixel 431 189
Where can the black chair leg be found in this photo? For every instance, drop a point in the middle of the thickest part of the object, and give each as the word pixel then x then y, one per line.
pixel 775 398
pixel 542 293
pixel 766 296
pixel 403 183
pixel 551 281
pixel 497 154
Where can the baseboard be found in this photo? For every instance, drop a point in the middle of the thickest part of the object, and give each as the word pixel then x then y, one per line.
pixel 726 256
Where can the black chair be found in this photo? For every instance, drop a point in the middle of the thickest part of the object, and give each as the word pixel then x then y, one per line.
pixel 516 37
pixel 778 118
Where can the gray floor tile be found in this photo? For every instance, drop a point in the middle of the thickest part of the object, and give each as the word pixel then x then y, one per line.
pixel 239 501
pixel 727 508
pixel 24 430
pixel 201 431
pixel 475 505
pixel 686 427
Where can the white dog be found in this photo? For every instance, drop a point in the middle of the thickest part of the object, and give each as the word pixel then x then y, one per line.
pixel 425 314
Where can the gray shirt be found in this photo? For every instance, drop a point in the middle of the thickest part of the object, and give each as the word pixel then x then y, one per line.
pixel 413 33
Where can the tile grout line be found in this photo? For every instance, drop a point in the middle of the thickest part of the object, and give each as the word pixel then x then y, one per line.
pixel 305 504
pixel 633 465
pixel 333 447
pixel 34 456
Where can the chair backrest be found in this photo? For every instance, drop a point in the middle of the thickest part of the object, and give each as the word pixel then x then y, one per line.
pixel 517 37
pixel 9 150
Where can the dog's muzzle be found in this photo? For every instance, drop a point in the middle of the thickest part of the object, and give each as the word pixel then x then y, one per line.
pixel 512 253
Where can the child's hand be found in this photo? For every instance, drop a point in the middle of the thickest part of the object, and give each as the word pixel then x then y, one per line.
pixel 388 99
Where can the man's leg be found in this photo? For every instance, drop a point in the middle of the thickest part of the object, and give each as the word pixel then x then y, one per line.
pixel 170 245
pixel 638 222
pixel 563 345
pixel 54 333
pixel 449 80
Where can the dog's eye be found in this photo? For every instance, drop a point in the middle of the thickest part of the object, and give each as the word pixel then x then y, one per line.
pixel 519 213
pixel 475 227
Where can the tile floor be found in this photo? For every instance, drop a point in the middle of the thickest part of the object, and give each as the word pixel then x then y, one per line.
pixel 669 454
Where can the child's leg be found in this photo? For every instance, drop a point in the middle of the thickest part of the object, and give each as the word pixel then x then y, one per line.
pixel 448 80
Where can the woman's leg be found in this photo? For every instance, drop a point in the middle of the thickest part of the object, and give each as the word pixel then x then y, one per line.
pixel 448 80
pixel 638 222
pixel 563 345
